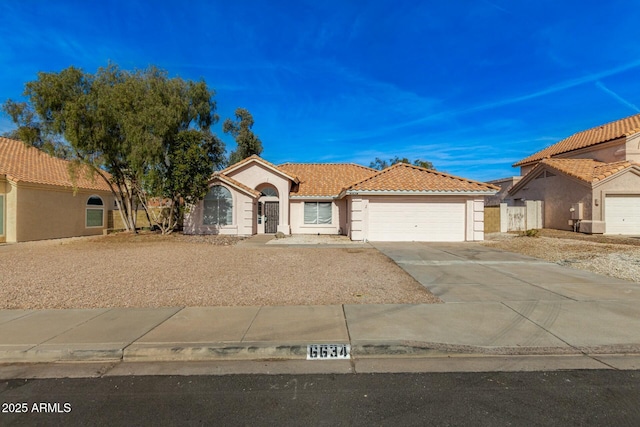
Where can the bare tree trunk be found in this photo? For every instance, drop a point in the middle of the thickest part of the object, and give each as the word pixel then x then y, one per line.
pixel 158 216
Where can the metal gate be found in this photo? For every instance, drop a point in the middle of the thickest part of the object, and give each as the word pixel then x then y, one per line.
pixel 272 215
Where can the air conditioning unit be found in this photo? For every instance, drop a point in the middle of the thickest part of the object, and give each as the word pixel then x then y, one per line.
pixel 577 211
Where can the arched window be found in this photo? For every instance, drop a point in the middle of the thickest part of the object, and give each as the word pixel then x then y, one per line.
pixel 218 207
pixel 269 192
pixel 94 216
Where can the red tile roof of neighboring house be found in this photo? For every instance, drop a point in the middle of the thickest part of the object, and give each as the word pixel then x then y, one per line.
pixel 587 138
pixel 22 163
pixel 405 177
pixel 587 170
pixel 325 179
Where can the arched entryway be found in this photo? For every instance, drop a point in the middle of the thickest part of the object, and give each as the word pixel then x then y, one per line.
pixel 268 209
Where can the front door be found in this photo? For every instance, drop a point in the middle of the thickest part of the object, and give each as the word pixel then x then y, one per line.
pixel 271 212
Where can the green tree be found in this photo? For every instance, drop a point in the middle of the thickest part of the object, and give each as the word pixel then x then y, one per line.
pixel 380 164
pixel 248 143
pixel 31 130
pixel 182 179
pixel 132 125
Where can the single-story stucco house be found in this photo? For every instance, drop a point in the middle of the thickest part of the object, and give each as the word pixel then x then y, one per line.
pixel 589 182
pixel 400 203
pixel 38 199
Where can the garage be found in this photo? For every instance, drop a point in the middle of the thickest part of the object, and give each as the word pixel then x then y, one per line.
pixel 622 214
pixel 426 219
pixel 407 203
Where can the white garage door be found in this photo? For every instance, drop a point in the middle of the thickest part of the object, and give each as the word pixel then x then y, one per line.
pixel 420 220
pixel 622 214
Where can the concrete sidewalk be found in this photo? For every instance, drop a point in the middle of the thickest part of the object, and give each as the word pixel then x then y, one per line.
pixel 583 334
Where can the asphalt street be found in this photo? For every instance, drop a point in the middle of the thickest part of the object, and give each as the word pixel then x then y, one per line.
pixel 482 399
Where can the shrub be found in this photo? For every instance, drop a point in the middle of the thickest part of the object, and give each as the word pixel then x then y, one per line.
pixel 531 233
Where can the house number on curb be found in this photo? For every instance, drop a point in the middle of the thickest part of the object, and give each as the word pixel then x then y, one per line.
pixel 328 351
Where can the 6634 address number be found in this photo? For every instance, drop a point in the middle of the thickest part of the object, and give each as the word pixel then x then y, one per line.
pixel 328 351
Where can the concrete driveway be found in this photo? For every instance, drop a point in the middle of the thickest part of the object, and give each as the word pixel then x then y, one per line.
pixel 471 272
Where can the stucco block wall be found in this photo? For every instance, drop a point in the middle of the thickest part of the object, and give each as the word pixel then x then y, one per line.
pixel 115 220
pixel 558 193
pixel 51 213
pixel 242 220
pixel 338 218
pixel 492 219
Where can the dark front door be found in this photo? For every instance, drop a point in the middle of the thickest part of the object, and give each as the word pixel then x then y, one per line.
pixel 272 214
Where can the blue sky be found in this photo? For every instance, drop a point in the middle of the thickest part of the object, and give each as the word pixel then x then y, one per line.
pixel 472 86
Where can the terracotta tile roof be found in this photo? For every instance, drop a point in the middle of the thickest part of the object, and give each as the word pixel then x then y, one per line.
pixel 607 132
pixel 325 179
pixel 21 163
pixel 587 170
pixel 405 177
pixel 233 182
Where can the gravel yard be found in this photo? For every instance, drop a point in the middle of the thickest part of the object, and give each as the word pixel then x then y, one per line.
pixel 149 270
pixel 614 256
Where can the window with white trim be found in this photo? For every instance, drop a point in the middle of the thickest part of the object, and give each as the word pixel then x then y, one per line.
pixel 218 207
pixel 317 212
pixel 94 216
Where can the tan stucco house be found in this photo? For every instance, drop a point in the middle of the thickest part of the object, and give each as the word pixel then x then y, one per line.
pixel 588 182
pixel 400 203
pixel 38 199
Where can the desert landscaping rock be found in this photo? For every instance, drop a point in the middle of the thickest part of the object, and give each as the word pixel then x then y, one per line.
pixel 609 255
pixel 149 270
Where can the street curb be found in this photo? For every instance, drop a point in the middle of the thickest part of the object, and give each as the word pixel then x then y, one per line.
pixel 192 352
pixel 205 352
pixel 420 348
pixel 38 355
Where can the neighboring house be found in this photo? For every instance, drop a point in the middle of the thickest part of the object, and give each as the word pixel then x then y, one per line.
pixel 501 196
pixel 400 203
pixel 39 200
pixel 589 181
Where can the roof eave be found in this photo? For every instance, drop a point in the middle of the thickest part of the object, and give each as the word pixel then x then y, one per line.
pixel 633 167
pixel 421 192
pixel 312 197
pixel 231 182
pixel 534 172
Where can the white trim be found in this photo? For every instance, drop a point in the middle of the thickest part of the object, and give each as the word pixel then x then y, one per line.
pixel 314 198
pixel 419 192
pixel 94 208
